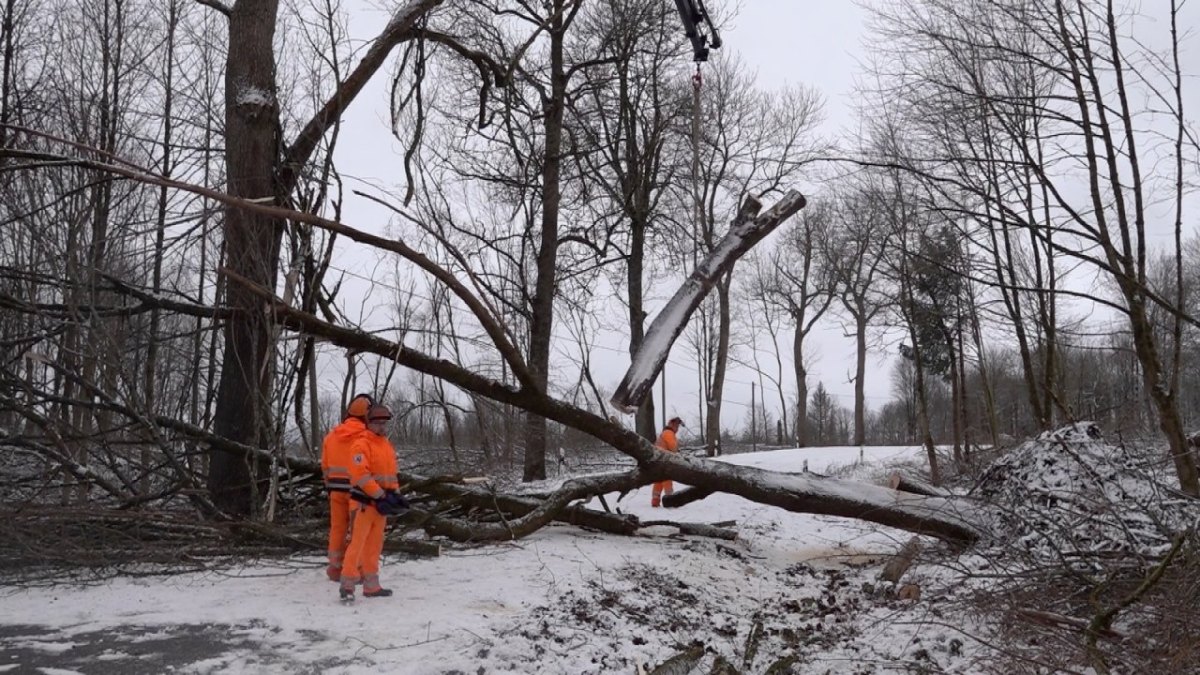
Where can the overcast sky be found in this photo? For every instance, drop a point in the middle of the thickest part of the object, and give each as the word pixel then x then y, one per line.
pixel 785 41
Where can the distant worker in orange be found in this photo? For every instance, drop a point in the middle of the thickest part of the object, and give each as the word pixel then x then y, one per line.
pixel 666 442
pixel 375 494
pixel 336 453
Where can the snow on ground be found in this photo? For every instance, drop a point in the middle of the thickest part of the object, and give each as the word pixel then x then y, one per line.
pixel 561 601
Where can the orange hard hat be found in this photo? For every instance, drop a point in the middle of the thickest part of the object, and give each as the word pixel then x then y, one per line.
pixel 359 406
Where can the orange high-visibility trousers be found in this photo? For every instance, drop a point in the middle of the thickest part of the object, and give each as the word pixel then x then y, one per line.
pixel 662 487
pixel 366 545
pixel 339 532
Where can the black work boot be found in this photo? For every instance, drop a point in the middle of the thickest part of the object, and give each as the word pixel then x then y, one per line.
pixel 378 593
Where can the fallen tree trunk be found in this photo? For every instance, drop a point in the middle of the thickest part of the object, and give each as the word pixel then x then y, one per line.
pixel 684 497
pixel 946 518
pixel 695 529
pixel 897 481
pixel 507 505
pixel 681 663
pixel 950 519
pixel 535 515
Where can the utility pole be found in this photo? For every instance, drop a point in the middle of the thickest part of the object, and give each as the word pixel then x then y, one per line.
pixel 753 421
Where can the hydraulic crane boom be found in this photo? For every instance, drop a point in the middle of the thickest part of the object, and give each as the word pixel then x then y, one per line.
pixel 695 18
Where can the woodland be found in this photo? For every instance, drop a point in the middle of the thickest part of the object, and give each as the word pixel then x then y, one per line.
pixel 180 319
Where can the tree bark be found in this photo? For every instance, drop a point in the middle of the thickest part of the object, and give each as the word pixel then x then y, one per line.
pixel 716 386
pixel 542 320
pixel 252 241
pixel 899 564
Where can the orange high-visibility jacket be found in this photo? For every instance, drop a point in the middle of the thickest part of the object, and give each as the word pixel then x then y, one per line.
pixel 372 467
pixel 337 452
pixel 667 441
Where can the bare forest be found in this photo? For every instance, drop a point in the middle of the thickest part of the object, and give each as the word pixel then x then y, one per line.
pixel 192 289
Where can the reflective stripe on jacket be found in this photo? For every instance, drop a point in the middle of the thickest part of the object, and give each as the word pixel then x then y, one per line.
pixel 337 451
pixel 372 467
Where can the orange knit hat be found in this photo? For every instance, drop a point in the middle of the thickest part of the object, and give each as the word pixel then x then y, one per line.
pixel 359 406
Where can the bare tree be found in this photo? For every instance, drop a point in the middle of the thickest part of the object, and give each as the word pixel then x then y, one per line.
pixel 799 281
pixel 260 165
pixel 632 116
pixel 1095 90
pixel 859 243
pixel 751 142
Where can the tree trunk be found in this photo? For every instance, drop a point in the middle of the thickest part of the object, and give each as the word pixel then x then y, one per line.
pixel 6 78
pixel 801 388
pixel 149 395
pixel 1166 402
pixel 716 387
pixel 252 242
pixel 935 473
pixel 542 323
pixel 860 374
pixel 644 422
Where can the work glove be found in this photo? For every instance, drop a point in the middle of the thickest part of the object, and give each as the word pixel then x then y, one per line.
pixel 391 503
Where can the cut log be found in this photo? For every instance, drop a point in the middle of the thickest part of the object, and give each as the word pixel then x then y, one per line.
pixel 696 529
pixel 722 666
pixel 684 497
pixel 917 487
pixel 783 665
pixel 746 231
pixel 899 564
pixel 751 649
pixel 427 549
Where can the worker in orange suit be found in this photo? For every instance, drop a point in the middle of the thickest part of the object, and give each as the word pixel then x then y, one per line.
pixel 667 442
pixel 374 495
pixel 336 453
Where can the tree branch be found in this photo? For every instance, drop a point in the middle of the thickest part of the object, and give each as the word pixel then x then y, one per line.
pixel 217 5
pixel 399 29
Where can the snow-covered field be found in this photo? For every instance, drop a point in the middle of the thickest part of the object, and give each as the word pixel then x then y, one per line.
pixel 561 601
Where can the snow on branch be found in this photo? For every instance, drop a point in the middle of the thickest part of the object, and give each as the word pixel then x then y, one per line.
pixel 746 231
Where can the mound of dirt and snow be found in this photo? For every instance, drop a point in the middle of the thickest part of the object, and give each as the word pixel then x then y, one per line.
pixel 1070 491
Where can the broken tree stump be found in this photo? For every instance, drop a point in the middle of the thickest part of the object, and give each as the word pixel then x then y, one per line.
pixel 899 563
